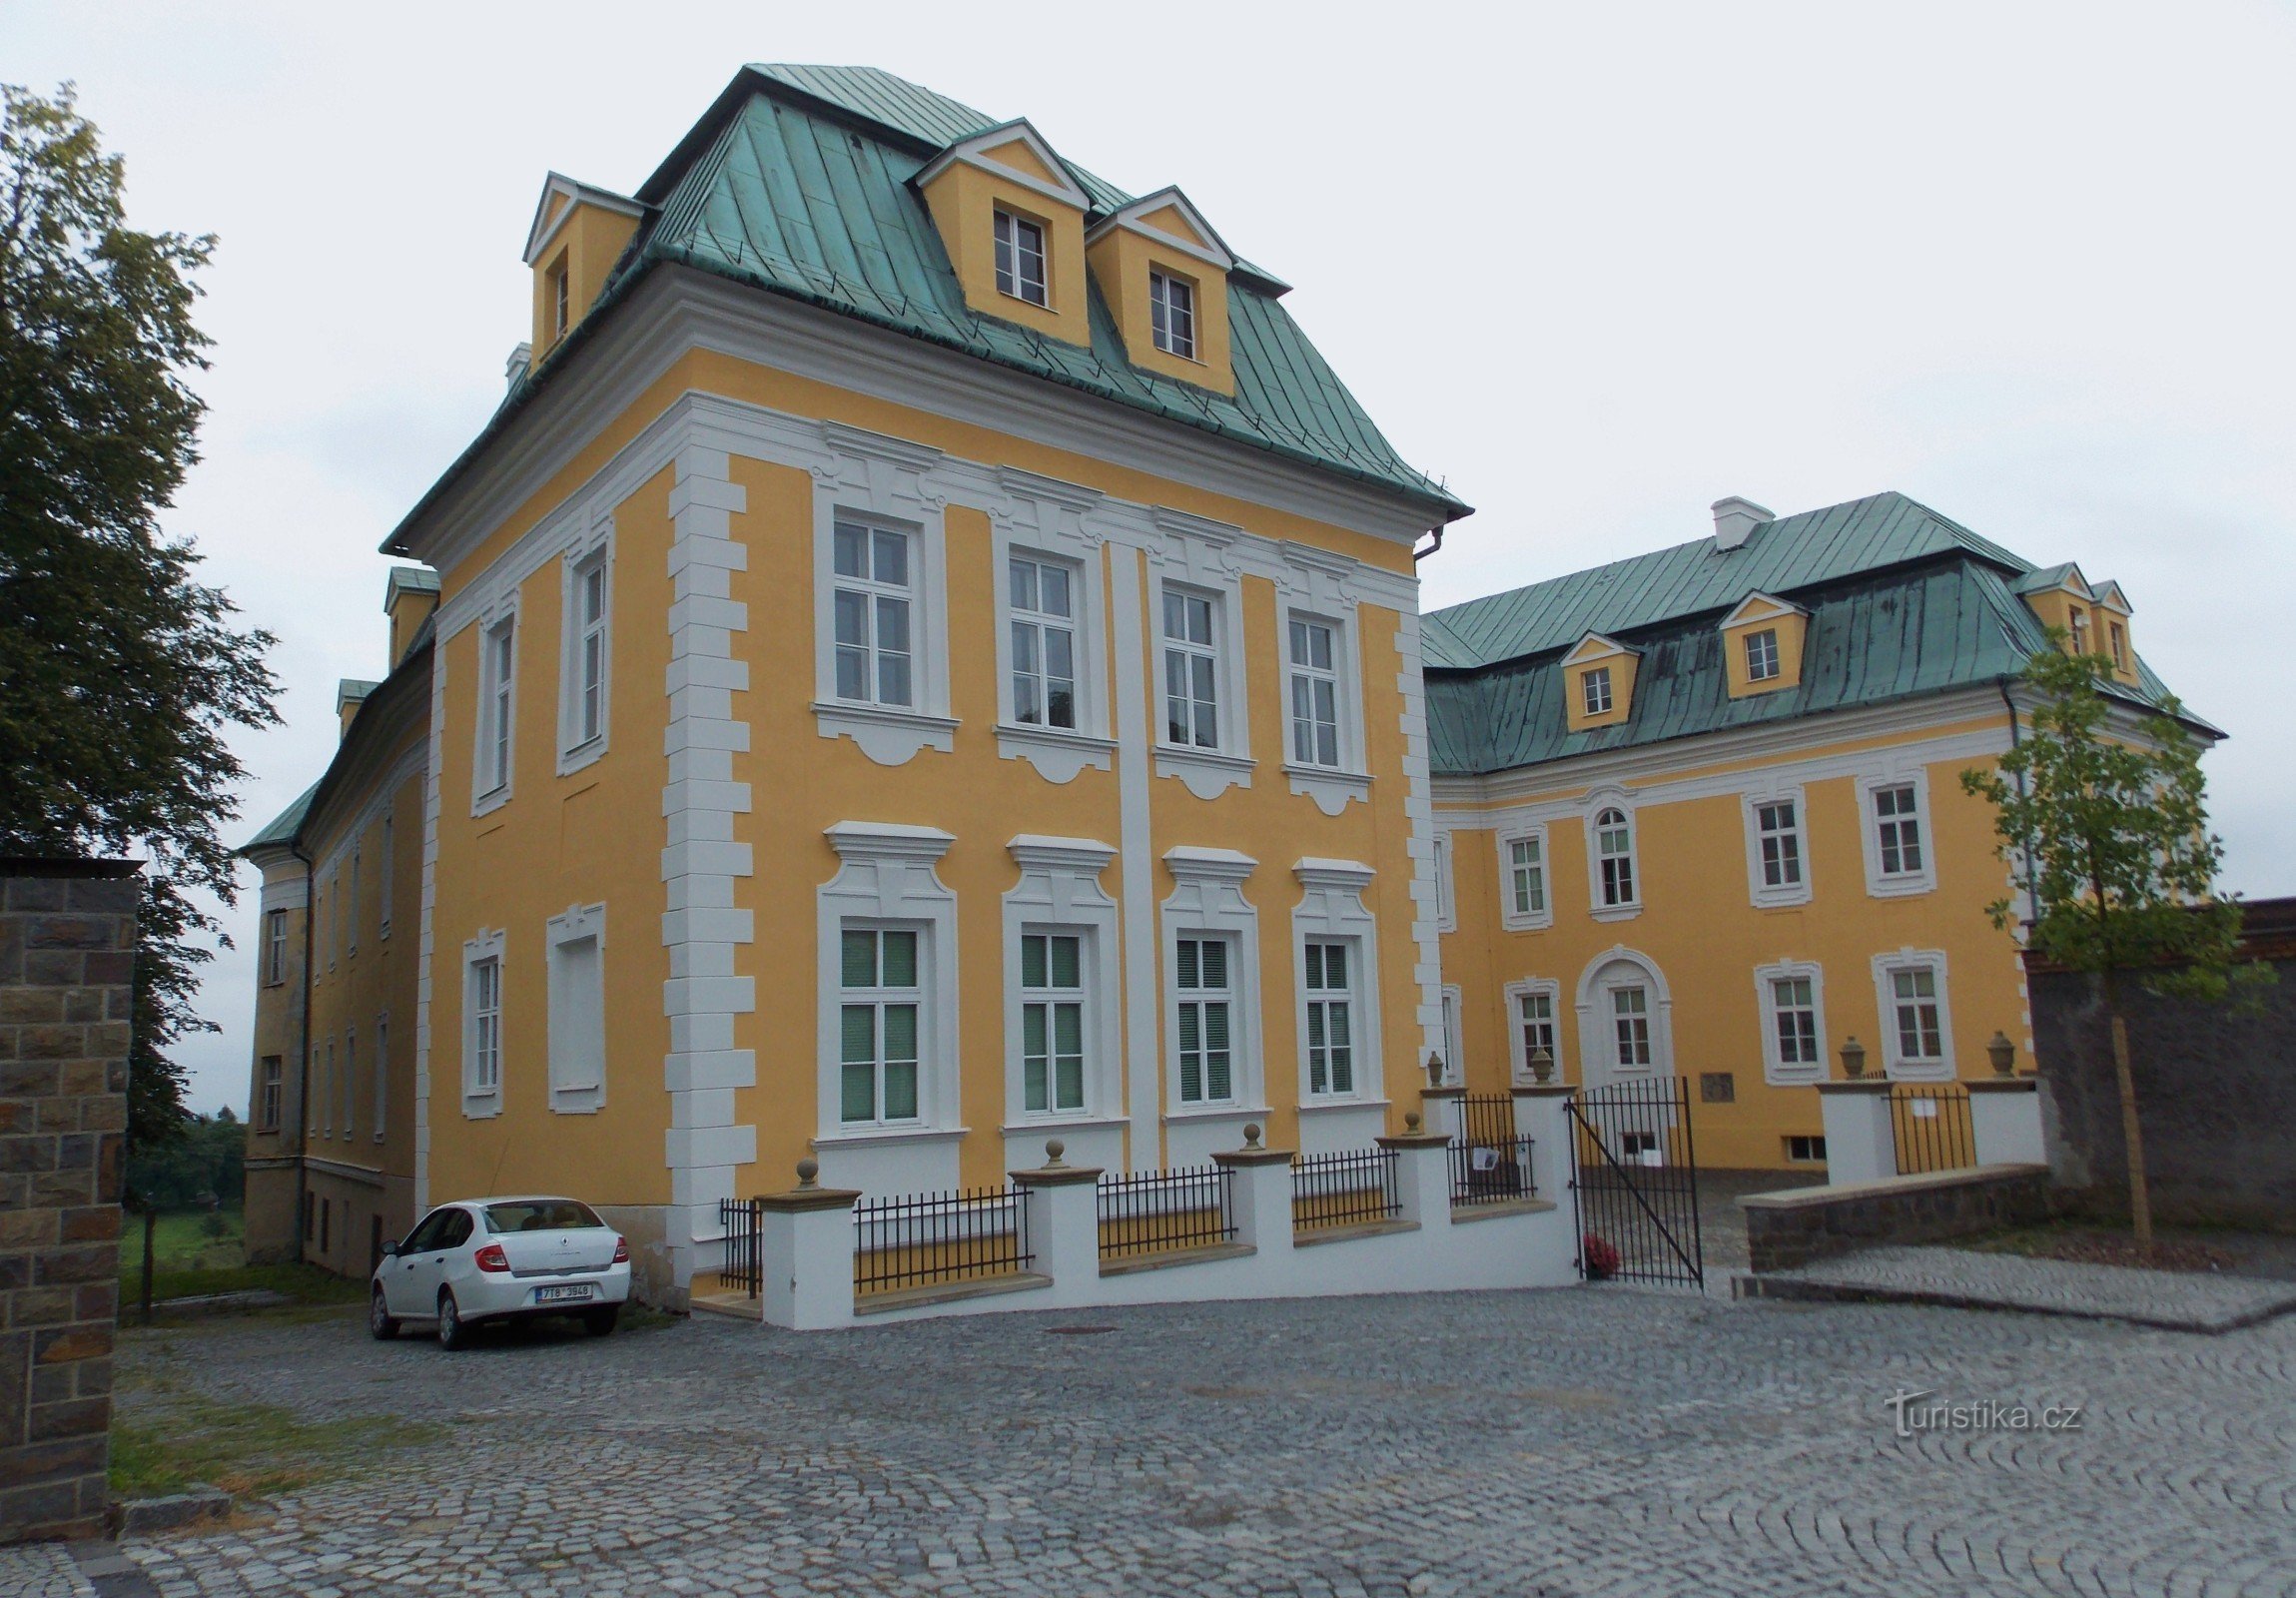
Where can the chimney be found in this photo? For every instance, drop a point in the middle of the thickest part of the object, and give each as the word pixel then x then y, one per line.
pixel 1734 520
pixel 515 368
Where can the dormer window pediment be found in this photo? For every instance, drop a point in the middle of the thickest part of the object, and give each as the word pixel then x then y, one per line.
pixel 1598 678
pixel 1762 644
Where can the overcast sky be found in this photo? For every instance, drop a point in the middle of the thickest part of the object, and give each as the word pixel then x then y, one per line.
pixel 1597 264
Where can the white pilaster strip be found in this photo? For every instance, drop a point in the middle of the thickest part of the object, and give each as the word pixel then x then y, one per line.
pixel 1143 1093
pixel 1419 806
pixel 422 973
pixel 701 925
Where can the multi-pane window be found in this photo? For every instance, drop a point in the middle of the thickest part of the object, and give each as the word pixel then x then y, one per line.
pixel 388 857
pixel 1779 832
pixel 1331 1019
pixel 1762 655
pixel 1526 877
pixel 871 602
pixel 561 300
pixel 349 1082
pixel 498 680
pixel 266 1110
pixel 487 1023
pixel 1914 1001
pixel 1020 259
pixel 1314 693
pixel 2118 635
pixel 326 1074
pixel 1052 1021
pixel 877 1045
pixel 1207 1066
pixel 1044 602
pixel 275 946
pixel 1594 692
pixel 1630 1023
pixel 1172 314
pixel 1535 1013
pixel 351 924
pixel 2079 618
pixel 589 685
pixel 1614 854
pixel 1190 671
pixel 381 1073
pixel 1898 827
pixel 1793 1015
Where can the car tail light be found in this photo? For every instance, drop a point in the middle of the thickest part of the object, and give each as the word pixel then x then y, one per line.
pixel 491 1259
pixel 621 1251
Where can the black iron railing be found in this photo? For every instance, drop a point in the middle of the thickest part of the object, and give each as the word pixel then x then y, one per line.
pixel 1149 1212
pixel 1929 1124
pixel 1634 1182
pixel 1486 1117
pixel 1492 1171
pixel 743 1222
pixel 931 1239
pixel 1348 1188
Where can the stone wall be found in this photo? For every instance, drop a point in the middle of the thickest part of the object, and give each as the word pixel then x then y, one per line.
pixel 2215 1092
pixel 67 934
pixel 1789 1229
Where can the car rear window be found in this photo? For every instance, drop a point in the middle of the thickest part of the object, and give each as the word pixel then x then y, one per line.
pixel 540 1215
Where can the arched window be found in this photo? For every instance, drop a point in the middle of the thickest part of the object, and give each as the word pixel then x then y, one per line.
pixel 1614 854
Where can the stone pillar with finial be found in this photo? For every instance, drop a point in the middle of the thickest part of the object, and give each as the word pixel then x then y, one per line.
pixel 806 1253
pixel 1260 1190
pixel 2006 1112
pixel 1860 1144
pixel 1423 1173
pixel 1443 1101
pixel 1064 1216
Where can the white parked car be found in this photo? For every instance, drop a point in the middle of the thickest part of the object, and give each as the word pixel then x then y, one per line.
pixel 482 1259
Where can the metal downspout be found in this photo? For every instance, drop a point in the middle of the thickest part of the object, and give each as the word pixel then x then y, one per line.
pixel 303 1056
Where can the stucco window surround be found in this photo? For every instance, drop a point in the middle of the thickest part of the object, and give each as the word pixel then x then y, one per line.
pixel 1332 911
pixel 1518 1047
pixel 1897 1063
pixel 1199 558
pixel 586 642
pixel 1776 1070
pixel 1881 883
pixel 1515 915
pixel 575 943
pixel 884 484
pixel 494 744
pixel 886 880
pixel 1060 894
pixel 382 1074
pixel 1599 1011
pixel 1042 519
pixel 483 1042
pixel 1596 805
pixel 1207 900
pixel 1313 587
pixel 387 869
pixel 1783 848
pixel 1440 864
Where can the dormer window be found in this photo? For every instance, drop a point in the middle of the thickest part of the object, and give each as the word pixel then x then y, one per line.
pixel 2079 622
pixel 562 301
pixel 1594 692
pixel 2119 634
pixel 1762 655
pixel 1021 257
pixel 1172 314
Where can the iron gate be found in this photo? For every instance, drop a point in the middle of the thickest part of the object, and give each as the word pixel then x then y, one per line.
pixel 1633 1183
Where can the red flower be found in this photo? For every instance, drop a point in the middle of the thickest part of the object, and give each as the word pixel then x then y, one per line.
pixel 1599 1259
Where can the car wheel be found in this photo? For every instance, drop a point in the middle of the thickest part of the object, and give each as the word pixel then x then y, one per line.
pixel 600 1322
pixel 453 1331
pixel 379 1322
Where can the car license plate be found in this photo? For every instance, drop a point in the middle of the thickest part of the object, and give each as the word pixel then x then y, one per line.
pixel 551 1296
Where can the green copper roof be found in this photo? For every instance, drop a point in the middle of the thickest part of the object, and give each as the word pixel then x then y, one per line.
pixel 1902 603
pixel 283 826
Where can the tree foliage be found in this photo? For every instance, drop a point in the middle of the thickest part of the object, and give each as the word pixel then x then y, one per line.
pixel 205 1164
pixel 120 674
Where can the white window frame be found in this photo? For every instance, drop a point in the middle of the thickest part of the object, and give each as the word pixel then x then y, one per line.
pixel 1011 280
pixel 349 1082
pixel 1894 1065
pixel 1900 883
pixel 1775 662
pixel 1595 804
pixel 1207 901
pixel 381 1074
pixel 1759 891
pixel 1324 1002
pixel 1166 316
pixel 887 879
pixel 387 859
pixel 1591 678
pixel 1060 894
pixel 577 1019
pixel 1454 1023
pixel 1510 918
pixel 332 926
pixel 1212 651
pixel 1776 1069
pixel 1331 910
pixel 1049 521
pixel 1184 995
pixel 1518 1047
pixel 1440 867
pixel 580 743
pixel 887 483
pixel 1200 556
pixel 495 745
pixel 275 948
pixel 323 1086
pixel 1319 588
pixel 1594 1017
pixel 878 996
pixel 350 921
pixel 1298 673
pixel 482 1098
pixel 271 1093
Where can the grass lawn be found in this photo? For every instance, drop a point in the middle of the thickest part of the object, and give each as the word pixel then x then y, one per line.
pixel 247 1448
pixel 189 1259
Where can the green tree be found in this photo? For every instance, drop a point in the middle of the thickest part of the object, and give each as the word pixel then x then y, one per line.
pixel 119 674
pixel 2107 824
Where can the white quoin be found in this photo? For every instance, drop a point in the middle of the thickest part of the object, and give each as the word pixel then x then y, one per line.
pixel 1734 520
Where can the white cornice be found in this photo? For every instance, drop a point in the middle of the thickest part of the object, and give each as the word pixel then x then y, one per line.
pixel 883 840
pixel 1035 851
pixel 1189 864
pixel 1349 876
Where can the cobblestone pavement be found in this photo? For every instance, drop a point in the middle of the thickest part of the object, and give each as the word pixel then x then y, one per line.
pixel 2184 1300
pixel 1583 1441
